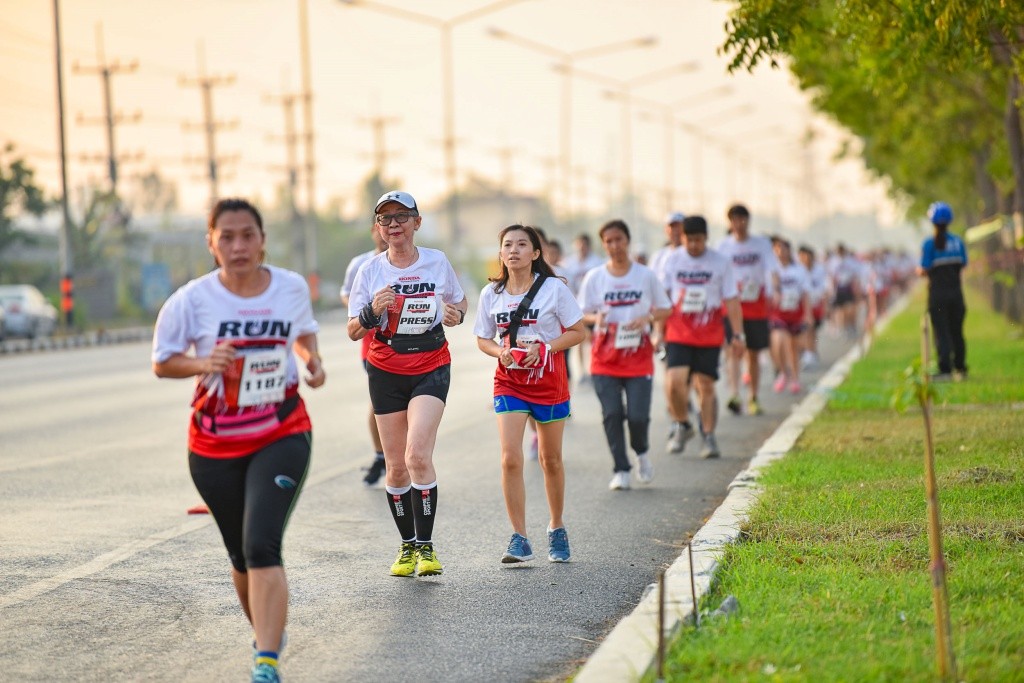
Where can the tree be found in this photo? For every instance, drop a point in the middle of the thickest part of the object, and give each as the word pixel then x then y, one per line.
pixel 156 194
pixel 18 194
pixel 932 87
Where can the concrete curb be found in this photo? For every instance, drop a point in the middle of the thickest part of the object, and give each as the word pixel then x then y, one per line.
pixel 631 649
pixel 76 341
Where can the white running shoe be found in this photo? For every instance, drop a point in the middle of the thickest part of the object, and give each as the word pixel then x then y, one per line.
pixel 645 468
pixel 682 434
pixel 619 482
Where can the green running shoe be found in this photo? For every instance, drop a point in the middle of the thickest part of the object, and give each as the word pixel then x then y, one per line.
pixel 428 564
pixel 405 563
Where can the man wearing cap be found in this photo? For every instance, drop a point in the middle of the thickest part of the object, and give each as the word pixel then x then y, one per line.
pixel 703 291
pixel 673 237
pixel 403 296
pixel 756 270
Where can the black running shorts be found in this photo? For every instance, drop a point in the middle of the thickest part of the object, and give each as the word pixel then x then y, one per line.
pixel 391 392
pixel 756 332
pixel 700 359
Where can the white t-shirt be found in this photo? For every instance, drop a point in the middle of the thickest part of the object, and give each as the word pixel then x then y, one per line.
pixel 753 262
pixel 353 268
pixel 698 286
pixel 554 309
pixel 819 283
pixel 204 312
pixel 658 260
pixel 575 268
pixel 421 291
pixel 794 285
pixel 262 329
pixel 622 299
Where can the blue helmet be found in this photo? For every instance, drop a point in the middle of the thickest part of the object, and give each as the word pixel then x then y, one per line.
pixel 940 213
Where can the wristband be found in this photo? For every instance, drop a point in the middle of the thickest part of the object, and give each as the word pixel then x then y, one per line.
pixel 367 318
pixel 462 316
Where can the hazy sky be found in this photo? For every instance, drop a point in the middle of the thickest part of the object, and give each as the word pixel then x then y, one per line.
pixel 365 64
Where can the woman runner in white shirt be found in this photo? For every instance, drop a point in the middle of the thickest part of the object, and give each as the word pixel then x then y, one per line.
pixel 402 297
pixel 622 300
pixel 530 378
pixel 249 437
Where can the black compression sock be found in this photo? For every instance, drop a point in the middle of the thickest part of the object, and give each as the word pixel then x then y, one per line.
pixel 424 505
pixel 400 502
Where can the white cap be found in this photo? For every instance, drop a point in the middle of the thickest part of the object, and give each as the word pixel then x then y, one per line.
pixel 403 198
pixel 675 217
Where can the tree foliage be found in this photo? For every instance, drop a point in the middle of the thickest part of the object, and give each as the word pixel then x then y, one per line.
pixel 19 194
pixel 931 87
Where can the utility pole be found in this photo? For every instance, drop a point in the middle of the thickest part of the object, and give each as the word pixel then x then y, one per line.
pixel 378 125
pixel 505 155
pixel 291 141
pixel 67 299
pixel 308 136
pixel 110 119
pixel 210 125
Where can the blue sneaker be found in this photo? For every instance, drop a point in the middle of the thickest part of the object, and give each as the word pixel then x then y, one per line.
pixel 265 673
pixel 519 550
pixel 558 545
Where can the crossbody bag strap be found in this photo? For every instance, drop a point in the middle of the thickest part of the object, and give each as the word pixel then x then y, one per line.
pixel 516 319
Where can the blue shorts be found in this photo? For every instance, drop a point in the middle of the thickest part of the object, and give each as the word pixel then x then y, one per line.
pixel 541 413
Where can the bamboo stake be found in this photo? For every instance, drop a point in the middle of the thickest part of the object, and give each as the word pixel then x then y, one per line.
pixel 661 625
pixel 937 568
pixel 693 589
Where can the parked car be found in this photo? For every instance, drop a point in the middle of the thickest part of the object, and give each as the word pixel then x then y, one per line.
pixel 27 313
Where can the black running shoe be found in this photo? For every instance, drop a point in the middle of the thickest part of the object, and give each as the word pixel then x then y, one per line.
pixel 734 405
pixel 374 472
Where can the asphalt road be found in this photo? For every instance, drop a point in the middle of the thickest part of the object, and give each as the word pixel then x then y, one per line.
pixel 103 576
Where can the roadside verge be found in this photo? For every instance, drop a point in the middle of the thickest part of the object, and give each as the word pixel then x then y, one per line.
pixel 630 649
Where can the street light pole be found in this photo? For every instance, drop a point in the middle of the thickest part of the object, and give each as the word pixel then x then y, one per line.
pixel 445 27
pixel 566 65
pixel 623 91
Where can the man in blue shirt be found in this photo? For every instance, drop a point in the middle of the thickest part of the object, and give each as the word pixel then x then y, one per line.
pixel 943 257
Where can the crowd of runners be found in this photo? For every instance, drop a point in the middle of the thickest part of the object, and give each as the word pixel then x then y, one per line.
pixel 696 307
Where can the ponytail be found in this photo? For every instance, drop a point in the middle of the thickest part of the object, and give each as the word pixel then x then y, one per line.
pixel 940 236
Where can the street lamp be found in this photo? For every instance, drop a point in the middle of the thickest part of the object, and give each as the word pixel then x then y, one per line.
pixel 444 27
pixel 624 93
pixel 668 118
pixel 567 62
pixel 726 116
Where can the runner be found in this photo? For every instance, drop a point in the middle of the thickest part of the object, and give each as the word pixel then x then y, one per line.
pixel 402 296
pixel 249 437
pixel 755 269
pixel 575 266
pixel 943 257
pixel 790 316
pixel 622 300
pixel 376 468
pixel 819 285
pixel 701 285
pixel 846 277
pixel 673 238
pixel 537 324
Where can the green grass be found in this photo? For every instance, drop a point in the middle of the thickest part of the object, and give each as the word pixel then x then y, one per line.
pixel 832 572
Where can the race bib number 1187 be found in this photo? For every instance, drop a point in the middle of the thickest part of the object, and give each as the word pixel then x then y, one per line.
pixel 264 374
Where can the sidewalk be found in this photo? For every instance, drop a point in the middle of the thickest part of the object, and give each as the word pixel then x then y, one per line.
pixel 826 552
pixel 78 339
